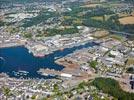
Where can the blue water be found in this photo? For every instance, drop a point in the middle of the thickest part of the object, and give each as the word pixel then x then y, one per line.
pixel 18 58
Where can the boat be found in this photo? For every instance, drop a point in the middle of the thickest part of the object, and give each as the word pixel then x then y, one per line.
pixel 45 74
pixel 52 75
pixel 42 73
pixel 20 73
pixel 56 58
pixel 16 73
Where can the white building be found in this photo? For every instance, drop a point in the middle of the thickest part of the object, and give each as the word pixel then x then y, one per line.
pixel 66 75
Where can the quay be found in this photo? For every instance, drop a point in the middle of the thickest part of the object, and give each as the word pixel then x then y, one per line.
pixel 71 70
pixel 42 50
pixel 6 45
pixel 12 44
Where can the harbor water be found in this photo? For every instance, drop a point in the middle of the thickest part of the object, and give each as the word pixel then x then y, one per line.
pixel 18 62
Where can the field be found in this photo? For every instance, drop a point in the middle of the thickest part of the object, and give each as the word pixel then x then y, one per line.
pixel 130 61
pixel 127 20
pixel 117 37
pixel 101 18
pixel 100 34
pixel 90 5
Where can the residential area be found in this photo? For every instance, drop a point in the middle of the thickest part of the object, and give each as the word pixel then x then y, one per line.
pixel 67 50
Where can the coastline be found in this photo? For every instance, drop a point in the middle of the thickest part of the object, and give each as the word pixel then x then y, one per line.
pixel 23 43
pixel 11 44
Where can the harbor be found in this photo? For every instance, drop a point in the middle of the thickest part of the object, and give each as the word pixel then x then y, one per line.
pixel 18 58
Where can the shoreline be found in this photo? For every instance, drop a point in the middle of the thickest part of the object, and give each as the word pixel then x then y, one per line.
pixel 16 44
pixel 13 44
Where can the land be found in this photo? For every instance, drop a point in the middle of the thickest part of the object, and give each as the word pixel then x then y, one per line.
pixel 102 71
pixel 127 20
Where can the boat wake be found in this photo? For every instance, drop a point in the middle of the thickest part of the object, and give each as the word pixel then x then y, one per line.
pixel 2 61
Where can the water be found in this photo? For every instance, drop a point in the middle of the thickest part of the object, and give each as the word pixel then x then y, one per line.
pixel 18 58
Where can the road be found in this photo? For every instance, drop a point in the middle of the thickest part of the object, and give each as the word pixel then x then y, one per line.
pixel 123 33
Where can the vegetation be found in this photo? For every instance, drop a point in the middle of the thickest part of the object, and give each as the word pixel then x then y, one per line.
pixel 28 35
pixel 33 97
pixel 81 85
pixel 2 23
pixel 51 32
pixel 42 17
pixel 99 17
pixel 110 86
pixel 12 30
pixel 110 55
pixel 128 28
pixel 93 64
pixel 130 61
pixel 110 24
pixel 130 70
pixel 117 37
pixel 6 91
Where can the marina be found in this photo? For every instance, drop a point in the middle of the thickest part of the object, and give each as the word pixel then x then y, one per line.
pixel 66 50
pixel 18 58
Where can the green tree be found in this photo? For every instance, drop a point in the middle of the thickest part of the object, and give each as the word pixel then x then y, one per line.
pixel 93 64
pixel 111 86
pixel 6 92
pixel 33 97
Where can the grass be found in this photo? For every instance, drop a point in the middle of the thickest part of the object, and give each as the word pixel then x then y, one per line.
pixel 117 37
pixel 93 64
pixel 100 18
pixel 130 61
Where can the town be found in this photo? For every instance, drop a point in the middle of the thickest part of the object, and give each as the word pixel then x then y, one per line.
pixel 92 40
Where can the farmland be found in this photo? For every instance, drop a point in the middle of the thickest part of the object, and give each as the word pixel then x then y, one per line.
pixel 127 20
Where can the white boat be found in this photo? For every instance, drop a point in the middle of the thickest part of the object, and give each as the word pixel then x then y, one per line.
pixel 42 73
pixel 20 73
pixel 56 58
pixel 45 74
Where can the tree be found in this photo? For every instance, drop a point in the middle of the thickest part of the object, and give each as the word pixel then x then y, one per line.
pixel 93 64
pixel 33 97
pixel 111 86
pixel 28 35
pixel 6 92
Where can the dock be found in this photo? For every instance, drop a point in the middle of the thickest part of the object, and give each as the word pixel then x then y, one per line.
pixel 71 70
